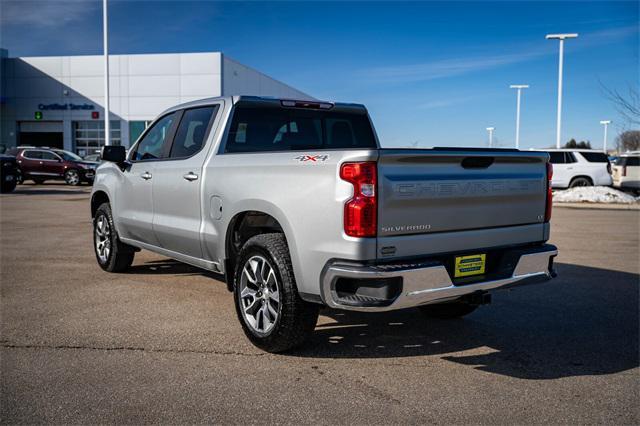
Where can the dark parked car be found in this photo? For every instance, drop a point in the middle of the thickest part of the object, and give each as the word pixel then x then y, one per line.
pixel 8 173
pixel 41 164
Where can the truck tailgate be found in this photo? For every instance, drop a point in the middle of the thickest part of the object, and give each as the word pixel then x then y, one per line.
pixel 451 190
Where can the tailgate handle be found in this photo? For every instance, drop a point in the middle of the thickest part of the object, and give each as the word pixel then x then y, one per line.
pixel 477 162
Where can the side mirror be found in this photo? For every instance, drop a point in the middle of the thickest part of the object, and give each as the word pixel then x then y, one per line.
pixel 115 154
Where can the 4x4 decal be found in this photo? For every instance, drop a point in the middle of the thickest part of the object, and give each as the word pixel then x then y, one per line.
pixel 311 158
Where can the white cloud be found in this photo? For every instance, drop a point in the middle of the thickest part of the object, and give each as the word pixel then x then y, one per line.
pixel 449 67
pixel 446 67
pixel 45 14
pixel 444 103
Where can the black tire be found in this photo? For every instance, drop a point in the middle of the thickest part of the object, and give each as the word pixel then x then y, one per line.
pixel 447 310
pixel 72 177
pixel 580 181
pixel 7 187
pixel 296 318
pixel 38 181
pixel 120 255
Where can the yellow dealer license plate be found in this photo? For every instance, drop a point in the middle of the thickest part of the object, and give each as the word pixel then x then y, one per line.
pixel 470 265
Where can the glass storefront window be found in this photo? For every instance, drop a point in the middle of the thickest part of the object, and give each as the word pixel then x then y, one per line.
pixel 88 136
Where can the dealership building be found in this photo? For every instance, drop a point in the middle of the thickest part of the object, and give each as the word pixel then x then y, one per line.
pixel 59 101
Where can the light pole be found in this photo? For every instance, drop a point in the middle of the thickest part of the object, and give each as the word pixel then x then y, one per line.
pixel 490 130
pixel 105 43
pixel 560 37
pixel 605 123
pixel 519 88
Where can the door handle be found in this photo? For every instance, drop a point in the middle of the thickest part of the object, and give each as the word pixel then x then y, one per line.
pixel 146 175
pixel 190 176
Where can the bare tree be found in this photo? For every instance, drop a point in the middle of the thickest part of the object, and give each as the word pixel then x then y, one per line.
pixel 627 104
pixel 628 141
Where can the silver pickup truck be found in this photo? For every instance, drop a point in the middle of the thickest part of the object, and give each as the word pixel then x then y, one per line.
pixel 296 203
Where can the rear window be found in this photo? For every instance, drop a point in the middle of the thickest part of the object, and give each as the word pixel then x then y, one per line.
pixel 595 157
pixel 255 129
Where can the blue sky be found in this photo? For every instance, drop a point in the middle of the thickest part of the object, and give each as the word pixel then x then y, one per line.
pixel 431 73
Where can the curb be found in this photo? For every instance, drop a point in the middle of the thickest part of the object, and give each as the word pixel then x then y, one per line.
pixel 598 206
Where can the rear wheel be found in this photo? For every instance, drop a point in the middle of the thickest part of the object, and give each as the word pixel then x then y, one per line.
pixel 272 314
pixel 112 254
pixel 447 310
pixel 72 177
pixel 580 181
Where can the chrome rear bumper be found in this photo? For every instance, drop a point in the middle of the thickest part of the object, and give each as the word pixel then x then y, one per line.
pixel 430 283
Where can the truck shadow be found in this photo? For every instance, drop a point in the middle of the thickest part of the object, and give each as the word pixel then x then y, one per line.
pixel 585 322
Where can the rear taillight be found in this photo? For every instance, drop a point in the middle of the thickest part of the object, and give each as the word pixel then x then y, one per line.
pixel 360 211
pixel 547 212
pixel 624 171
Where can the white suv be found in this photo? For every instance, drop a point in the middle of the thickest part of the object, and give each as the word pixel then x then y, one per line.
pixel 579 167
pixel 626 171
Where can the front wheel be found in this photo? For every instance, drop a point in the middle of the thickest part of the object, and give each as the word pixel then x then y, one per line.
pixel 72 177
pixel 447 310
pixel 112 255
pixel 272 314
pixel 7 187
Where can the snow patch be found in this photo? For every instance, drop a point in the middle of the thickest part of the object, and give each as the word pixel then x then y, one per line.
pixel 594 194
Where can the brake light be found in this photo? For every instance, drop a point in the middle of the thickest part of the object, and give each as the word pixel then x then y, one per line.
pixel 547 212
pixel 360 212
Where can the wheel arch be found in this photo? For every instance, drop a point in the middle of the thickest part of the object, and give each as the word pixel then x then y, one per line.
pixel 587 177
pixel 97 199
pixel 248 223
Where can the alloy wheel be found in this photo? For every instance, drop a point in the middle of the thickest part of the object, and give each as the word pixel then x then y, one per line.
pixel 72 177
pixel 259 295
pixel 102 238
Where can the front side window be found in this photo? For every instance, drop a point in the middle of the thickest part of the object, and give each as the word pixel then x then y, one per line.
pixel 69 156
pixel 49 156
pixel 152 144
pixel 191 132
pixel 261 129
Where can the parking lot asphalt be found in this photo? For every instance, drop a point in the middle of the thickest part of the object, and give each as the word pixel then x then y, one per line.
pixel 162 343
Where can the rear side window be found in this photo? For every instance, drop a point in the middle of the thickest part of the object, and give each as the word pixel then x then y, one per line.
pixel 191 132
pixel 628 161
pixel 255 129
pixel 152 144
pixel 35 155
pixel 595 157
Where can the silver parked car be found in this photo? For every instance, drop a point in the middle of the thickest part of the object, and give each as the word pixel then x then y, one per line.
pixel 297 204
